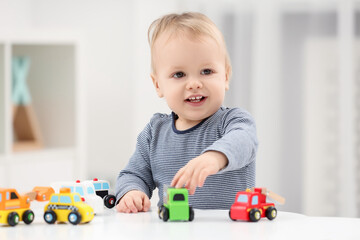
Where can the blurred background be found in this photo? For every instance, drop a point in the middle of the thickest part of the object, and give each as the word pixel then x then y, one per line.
pixel 75 91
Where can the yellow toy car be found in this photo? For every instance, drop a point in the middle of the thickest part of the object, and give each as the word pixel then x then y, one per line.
pixel 67 206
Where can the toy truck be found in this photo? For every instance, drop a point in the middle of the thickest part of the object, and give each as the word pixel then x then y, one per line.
pixel 176 205
pixel 251 205
pixel 102 189
pixel 67 206
pixel 14 207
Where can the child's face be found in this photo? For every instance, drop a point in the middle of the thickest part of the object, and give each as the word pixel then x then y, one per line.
pixel 190 74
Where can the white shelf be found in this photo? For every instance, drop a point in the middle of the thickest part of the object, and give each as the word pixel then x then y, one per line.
pixel 51 82
pixel 2 99
pixel 40 156
pixel 54 85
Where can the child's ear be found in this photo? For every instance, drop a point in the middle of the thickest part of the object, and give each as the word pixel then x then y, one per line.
pixel 156 85
pixel 226 81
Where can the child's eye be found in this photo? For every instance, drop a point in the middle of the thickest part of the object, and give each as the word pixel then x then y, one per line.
pixel 179 75
pixel 206 72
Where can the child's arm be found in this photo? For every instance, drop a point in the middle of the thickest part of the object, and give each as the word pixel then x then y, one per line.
pixel 134 201
pixel 234 150
pixel 137 175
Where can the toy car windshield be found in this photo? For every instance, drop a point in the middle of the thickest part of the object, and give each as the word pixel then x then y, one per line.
pixel 243 198
pixel 179 197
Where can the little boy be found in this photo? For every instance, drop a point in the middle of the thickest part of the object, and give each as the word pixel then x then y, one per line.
pixel 201 145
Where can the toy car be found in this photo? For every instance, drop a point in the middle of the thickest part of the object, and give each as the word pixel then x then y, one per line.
pixel 14 207
pixel 67 206
pixel 251 205
pixel 176 206
pixel 102 189
pixel 40 194
pixel 87 192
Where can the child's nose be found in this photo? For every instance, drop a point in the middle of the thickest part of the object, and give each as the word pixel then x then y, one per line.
pixel 193 84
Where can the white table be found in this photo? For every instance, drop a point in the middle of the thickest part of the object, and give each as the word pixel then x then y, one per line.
pixel 208 224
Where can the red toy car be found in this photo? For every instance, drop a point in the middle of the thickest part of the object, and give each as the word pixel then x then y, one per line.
pixel 251 205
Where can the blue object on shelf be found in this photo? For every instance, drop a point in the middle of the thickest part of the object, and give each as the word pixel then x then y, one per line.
pixel 20 90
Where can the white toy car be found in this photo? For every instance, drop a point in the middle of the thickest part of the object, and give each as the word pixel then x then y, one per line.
pixel 86 190
pixel 102 189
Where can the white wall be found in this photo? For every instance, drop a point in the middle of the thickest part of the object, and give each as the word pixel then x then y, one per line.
pixel 15 14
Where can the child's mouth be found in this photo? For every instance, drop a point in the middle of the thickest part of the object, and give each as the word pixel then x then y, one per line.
pixel 196 99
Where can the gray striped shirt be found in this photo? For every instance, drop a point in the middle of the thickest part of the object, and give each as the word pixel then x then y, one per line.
pixel 162 150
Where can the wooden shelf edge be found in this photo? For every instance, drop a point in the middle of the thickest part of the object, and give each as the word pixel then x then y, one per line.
pixel 25 146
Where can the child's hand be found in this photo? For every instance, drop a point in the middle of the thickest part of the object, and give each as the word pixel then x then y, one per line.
pixel 134 201
pixel 194 173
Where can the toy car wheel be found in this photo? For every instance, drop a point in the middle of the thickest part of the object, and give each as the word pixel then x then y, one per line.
pixel 164 213
pixel 28 216
pixel 271 213
pixel 109 201
pixel 74 218
pixel 13 219
pixel 254 215
pixel 230 216
pixel 191 214
pixel 50 217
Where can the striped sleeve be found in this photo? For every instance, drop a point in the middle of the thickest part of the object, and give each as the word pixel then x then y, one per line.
pixel 238 142
pixel 137 175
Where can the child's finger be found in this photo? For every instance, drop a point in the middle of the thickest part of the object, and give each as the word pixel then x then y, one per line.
pixel 130 204
pixel 181 182
pixel 185 178
pixel 176 177
pixel 118 207
pixel 121 207
pixel 146 203
pixel 192 189
pixel 202 177
pixel 138 203
pixel 193 182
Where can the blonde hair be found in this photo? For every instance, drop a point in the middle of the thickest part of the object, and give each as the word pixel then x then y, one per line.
pixel 196 23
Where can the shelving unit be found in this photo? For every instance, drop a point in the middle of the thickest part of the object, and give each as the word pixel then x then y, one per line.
pixel 2 99
pixel 53 82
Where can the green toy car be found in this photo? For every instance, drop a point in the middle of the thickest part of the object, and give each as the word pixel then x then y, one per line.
pixel 176 205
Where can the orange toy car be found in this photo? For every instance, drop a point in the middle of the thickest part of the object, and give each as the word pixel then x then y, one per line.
pixel 40 194
pixel 14 207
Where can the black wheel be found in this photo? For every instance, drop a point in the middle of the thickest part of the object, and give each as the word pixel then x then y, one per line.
pixel 109 201
pixel 271 213
pixel 191 214
pixel 50 216
pixel 74 218
pixel 254 215
pixel 13 219
pixel 164 213
pixel 230 216
pixel 28 216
